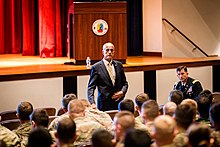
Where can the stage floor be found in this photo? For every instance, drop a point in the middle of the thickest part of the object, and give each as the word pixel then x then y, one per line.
pixel 18 67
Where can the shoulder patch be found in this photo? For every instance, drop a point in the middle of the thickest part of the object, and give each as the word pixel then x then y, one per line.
pixel 195 81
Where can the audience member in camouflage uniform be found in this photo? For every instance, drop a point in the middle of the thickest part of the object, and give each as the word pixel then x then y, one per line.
pixel 85 126
pixel 184 116
pixel 123 121
pixel 40 118
pixel 39 137
pixel 10 138
pixel 175 96
pixel 139 100
pixel 128 105
pixel 215 121
pixel 149 111
pixel 102 138
pixel 65 133
pixel 65 101
pixel 203 108
pixel 199 135
pixel 99 116
pixel 169 108
pixel 164 131
pixel 24 110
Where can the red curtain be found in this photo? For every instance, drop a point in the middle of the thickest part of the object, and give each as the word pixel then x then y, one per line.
pixel 34 27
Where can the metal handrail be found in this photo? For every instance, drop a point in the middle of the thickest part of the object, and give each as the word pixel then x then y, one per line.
pixel 176 29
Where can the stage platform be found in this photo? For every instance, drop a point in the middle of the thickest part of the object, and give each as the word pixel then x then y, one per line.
pixel 18 67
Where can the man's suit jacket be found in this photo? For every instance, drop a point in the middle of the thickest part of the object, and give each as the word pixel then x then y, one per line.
pixel 100 78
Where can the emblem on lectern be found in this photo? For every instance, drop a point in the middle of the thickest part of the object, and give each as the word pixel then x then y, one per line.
pixel 100 27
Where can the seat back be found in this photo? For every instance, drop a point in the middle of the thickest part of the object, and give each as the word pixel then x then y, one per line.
pixel 8 115
pixel 216 96
pixel 112 113
pixel 50 111
pixel 11 124
pixel 60 112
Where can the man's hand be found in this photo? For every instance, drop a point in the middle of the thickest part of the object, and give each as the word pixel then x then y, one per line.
pixel 117 95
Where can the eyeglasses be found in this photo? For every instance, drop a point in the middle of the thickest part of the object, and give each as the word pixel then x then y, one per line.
pixel 107 50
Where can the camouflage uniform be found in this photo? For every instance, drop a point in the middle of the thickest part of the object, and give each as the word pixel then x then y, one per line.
pixel 53 124
pixel 179 139
pixel 139 119
pixel 101 117
pixel 9 137
pixel 23 132
pixel 85 127
pixel 216 136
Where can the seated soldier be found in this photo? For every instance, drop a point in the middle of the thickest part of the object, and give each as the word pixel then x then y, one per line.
pixel 24 110
pixel 215 121
pixel 85 126
pixel 65 101
pixel 102 138
pixel 10 138
pixel 65 133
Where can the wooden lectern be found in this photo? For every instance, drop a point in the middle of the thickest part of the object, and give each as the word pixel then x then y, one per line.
pixel 84 17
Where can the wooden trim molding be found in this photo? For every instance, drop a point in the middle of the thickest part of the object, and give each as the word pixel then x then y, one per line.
pixel 158 54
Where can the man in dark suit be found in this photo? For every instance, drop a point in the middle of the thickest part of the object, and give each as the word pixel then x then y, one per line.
pixel 108 75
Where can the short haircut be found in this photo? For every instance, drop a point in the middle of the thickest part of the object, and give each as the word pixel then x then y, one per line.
pixel 198 135
pixel 126 104
pixel 176 96
pixel 140 99
pixel 24 110
pixel 76 106
pixel 102 138
pixel 169 108
pixel 203 106
pixel 164 127
pixel 215 113
pixel 85 102
pixel 125 119
pixel 179 68
pixel 193 104
pixel 137 138
pixel 67 98
pixel 107 44
pixel 66 130
pixel 150 108
pixel 207 93
pixel 184 115
pixel 40 117
pixel 39 137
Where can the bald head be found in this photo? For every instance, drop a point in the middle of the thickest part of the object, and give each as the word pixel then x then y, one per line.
pixel 164 127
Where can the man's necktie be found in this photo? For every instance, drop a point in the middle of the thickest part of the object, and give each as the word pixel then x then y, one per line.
pixel 110 72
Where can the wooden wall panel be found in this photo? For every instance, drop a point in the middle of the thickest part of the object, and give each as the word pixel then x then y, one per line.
pixel 86 43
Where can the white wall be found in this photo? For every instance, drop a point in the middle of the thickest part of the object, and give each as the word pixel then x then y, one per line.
pixel 167 78
pixel 135 81
pixel 48 92
pixel 40 92
pixel 184 15
pixel 152 25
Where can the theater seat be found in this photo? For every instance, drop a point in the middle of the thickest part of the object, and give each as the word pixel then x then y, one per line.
pixel 60 112
pixel 51 111
pixel 11 124
pixel 112 113
pixel 8 115
pixel 216 96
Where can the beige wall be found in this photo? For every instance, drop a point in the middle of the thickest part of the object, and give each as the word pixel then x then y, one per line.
pixel 48 92
pixel 152 25
pixel 184 15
